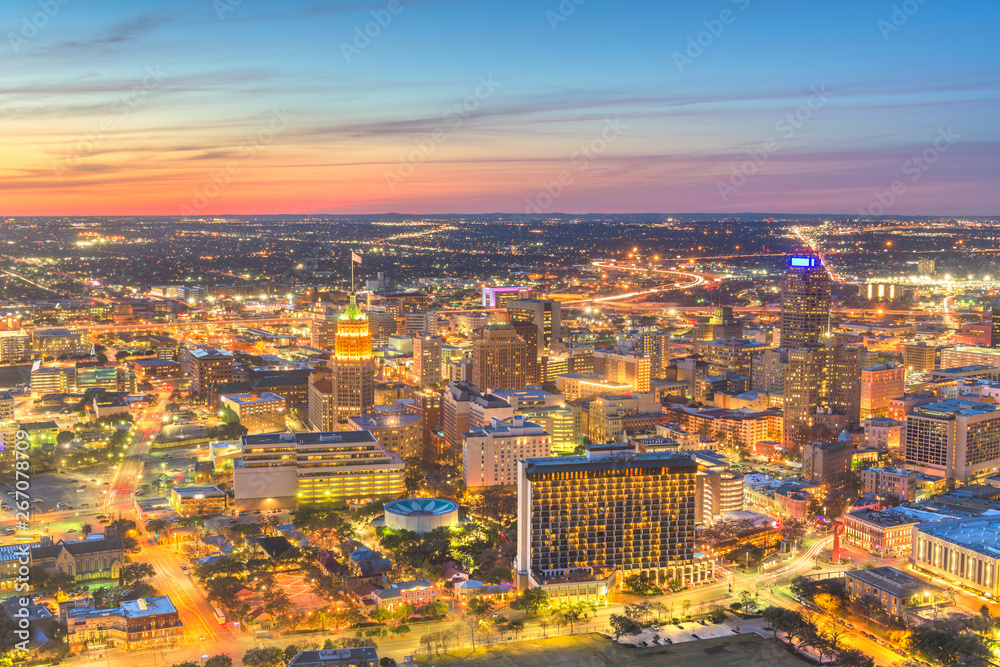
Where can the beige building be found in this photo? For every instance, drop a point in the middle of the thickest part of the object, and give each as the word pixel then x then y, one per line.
pixel 258 413
pixel 576 386
pixel 501 358
pixel 427 360
pixel 890 483
pixel 490 453
pixel 612 416
pixel 964 552
pixel 967 355
pixel 632 369
pixel 464 407
pixel 879 384
pixel 919 357
pixel 954 438
pixel 395 430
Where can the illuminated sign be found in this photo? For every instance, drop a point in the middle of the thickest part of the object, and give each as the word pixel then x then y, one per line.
pixel 803 261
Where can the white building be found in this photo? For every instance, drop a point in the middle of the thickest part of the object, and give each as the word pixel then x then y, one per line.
pixel 490 453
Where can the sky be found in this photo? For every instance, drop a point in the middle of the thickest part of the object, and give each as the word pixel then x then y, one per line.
pixel 222 107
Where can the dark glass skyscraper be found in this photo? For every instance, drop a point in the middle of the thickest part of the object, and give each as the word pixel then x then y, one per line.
pixel 805 302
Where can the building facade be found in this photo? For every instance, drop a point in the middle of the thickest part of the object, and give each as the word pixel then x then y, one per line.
pixel 490 453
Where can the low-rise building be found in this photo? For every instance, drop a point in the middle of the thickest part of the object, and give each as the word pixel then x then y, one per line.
pixel 395 430
pixel 258 413
pixel 964 552
pixel 887 483
pixel 889 588
pixel 84 560
pixel 414 593
pixel 198 500
pixel 135 624
pixel 365 656
pixel 887 532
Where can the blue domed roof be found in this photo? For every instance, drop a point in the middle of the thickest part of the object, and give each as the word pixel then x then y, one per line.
pixel 421 506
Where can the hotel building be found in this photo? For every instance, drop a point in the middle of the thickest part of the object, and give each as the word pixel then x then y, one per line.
pixel 583 520
pixel 954 438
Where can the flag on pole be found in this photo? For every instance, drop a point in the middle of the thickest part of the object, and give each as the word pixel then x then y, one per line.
pixel 355 257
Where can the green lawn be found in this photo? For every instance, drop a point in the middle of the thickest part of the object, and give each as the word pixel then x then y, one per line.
pixel 594 650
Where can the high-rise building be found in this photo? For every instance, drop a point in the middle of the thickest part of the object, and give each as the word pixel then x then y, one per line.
pixel 395 430
pixel 879 384
pixel 805 302
pixel 427 360
pixel 381 325
pixel 807 384
pixel 209 366
pixel 584 519
pixel 995 326
pixel 352 367
pixel 632 369
pixel 730 354
pixel 544 315
pixel 490 453
pixel 724 325
pixel 767 372
pixel 500 358
pixel 323 328
pixel 828 463
pixel 421 322
pixel 919 357
pixel 925 266
pixel 463 407
pixel 845 364
pixel 954 438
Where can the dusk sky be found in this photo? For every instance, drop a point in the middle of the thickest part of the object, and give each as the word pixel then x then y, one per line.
pixel 114 107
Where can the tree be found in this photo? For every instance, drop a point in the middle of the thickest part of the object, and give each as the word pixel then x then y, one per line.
pixel 748 602
pixel 64 437
pixel 829 604
pixel 133 572
pixel 386 661
pixel 86 528
pixel 270 656
pixel 623 625
pixel 220 660
pixel 402 629
pixel 641 583
pixel 531 600
pixel 854 658
pixel 496 506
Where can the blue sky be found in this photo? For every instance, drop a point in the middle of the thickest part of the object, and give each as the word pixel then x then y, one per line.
pixel 360 129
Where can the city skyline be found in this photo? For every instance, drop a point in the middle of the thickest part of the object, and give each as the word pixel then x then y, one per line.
pixel 229 108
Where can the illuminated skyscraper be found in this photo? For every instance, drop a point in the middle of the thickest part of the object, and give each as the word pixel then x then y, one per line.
pixel 352 367
pixel 545 316
pixel 805 302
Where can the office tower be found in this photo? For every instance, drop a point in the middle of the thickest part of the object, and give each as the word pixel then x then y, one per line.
pixel 498 296
pixel 320 402
pixel 844 389
pixel 925 266
pixel 807 386
pixel 14 345
pixel 919 357
pixel 464 406
pixel 284 470
pixel 352 368
pixel 724 325
pixel 828 463
pixel 490 453
pixel 954 438
pixel 544 315
pixel 767 372
pixel 381 325
pixel 501 359
pixel 730 354
pixel 610 417
pixel 608 513
pixel 879 384
pixel 323 328
pixel 805 303
pixel 656 346
pixel 632 369
pixel 209 367
pixel 427 360
pixel 420 322
pixel 426 405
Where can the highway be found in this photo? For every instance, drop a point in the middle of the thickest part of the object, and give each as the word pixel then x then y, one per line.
pixel 685 280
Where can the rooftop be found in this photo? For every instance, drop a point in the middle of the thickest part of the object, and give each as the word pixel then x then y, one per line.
pixel 198 491
pixel 326 656
pixel 891 580
pixel 313 438
pixel 954 407
pixel 980 534
pixel 624 461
